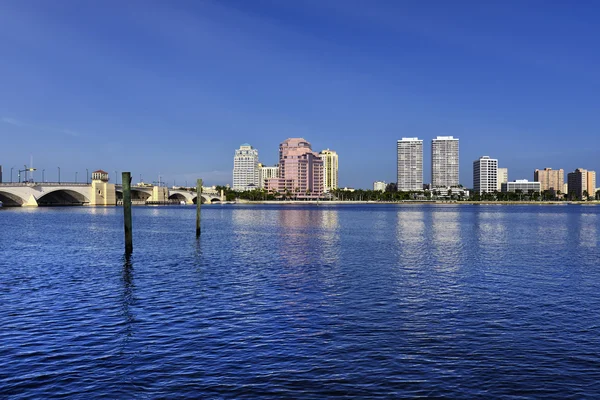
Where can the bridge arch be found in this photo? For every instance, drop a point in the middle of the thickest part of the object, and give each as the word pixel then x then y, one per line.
pixel 206 199
pixel 136 195
pixel 9 199
pixel 62 197
pixel 178 196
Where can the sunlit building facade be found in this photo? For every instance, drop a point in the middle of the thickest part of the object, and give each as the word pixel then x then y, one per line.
pixel 485 175
pixel 444 162
pixel 581 182
pixel 330 169
pixel 550 179
pixel 522 185
pixel 265 173
pixel 300 170
pixel 245 168
pixel 502 177
pixel 410 164
pixel 379 186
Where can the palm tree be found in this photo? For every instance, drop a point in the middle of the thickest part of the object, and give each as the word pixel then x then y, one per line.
pixel 519 192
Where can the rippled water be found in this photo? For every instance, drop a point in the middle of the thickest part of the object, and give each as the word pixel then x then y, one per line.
pixel 301 302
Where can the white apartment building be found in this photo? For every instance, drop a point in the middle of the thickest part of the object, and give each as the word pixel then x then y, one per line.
pixel 502 177
pixel 245 168
pixel 444 162
pixel 410 164
pixel 379 186
pixel 521 184
pixel 330 169
pixel 265 172
pixel 485 175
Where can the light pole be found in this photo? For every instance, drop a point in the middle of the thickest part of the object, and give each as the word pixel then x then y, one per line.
pixel 11 170
pixel 87 176
pixel 58 174
pixel 75 176
pixel 43 170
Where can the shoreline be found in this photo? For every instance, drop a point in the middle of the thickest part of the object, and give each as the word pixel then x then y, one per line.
pixel 418 202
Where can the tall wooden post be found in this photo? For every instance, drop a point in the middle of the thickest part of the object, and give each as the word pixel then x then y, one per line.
pixel 198 205
pixel 126 182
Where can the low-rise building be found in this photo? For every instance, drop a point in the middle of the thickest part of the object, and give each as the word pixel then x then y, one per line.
pixel 379 186
pixel 521 184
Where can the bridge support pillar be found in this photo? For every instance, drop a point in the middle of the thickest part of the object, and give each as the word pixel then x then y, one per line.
pixel 31 202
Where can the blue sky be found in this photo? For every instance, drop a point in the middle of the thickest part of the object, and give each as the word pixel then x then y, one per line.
pixel 174 87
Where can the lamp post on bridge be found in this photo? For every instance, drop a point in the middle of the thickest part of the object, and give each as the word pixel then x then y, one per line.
pixel 11 170
pixel 58 174
pixel 87 176
pixel 26 170
pixel 75 176
pixel 43 170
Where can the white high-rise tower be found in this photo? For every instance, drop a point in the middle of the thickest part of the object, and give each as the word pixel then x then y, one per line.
pixel 485 175
pixel 444 162
pixel 410 164
pixel 245 168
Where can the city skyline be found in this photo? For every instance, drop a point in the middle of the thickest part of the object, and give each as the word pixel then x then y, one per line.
pixel 185 84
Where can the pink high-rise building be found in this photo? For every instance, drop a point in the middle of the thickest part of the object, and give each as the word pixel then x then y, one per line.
pixel 300 170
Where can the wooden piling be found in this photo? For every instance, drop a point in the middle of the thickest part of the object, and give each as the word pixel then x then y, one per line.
pixel 126 182
pixel 198 205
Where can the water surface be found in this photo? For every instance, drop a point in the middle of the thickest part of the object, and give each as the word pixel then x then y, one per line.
pixel 454 301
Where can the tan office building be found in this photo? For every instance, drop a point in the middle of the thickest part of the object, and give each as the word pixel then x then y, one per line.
pixel 330 169
pixel 581 181
pixel 591 183
pixel 502 177
pixel 550 179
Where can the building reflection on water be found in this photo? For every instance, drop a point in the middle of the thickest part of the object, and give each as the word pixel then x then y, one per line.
pixel 410 237
pixel 315 228
pixel 588 233
pixel 447 246
pixel 491 234
pixel 552 228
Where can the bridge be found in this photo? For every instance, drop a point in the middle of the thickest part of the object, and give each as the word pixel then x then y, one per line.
pixel 33 194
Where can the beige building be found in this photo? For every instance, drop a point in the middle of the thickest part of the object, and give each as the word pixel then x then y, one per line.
pixel 330 169
pixel 591 183
pixel 265 173
pixel 103 193
pixel 502 177
pixel 550 179
pixel 581 182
